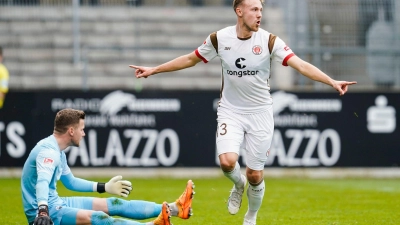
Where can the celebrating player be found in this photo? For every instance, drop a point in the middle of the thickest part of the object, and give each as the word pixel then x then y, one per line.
pixel 245 117
pixel 46 164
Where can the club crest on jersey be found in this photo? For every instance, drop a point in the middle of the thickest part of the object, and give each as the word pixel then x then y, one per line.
pixel 48 161
pixel 257 50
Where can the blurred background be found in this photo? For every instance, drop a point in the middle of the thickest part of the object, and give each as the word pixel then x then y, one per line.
pixel 75 53
pixel 88 44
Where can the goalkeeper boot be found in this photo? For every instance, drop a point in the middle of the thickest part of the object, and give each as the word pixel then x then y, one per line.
pixel 235 198
pixel 184 202
pixel 164 216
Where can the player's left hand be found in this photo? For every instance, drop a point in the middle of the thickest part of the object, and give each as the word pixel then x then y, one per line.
pixel 117 186
pixel 342 86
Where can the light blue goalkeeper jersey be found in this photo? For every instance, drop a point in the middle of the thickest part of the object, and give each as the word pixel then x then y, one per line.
pixel 41 171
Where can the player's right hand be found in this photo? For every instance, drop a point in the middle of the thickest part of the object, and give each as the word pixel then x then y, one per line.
pixel 43 220
pixel 43 216
pixel 141 71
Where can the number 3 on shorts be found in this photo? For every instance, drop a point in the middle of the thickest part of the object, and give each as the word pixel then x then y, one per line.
pixel 221 129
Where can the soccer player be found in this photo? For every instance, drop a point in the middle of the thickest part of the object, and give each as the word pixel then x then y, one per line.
pixel 46 164
pixel 245 117
pixel 4 77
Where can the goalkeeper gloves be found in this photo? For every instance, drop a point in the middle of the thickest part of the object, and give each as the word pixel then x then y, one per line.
pixel 43 216
pixel 115 186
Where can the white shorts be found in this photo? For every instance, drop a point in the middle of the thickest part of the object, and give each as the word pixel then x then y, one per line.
pixel 251 132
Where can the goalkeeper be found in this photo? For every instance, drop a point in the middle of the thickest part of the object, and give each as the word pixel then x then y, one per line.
pixel 46 164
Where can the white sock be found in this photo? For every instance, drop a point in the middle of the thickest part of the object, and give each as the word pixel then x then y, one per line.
pixel 174 209
pixel 255 195
pixel 235 176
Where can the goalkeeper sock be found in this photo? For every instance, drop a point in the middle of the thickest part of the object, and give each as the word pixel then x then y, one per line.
pixel 133 209
pixel 101 218
pixel 235 176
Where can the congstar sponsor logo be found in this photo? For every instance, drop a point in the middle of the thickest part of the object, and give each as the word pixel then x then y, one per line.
pixel 240 64
pixel 242 73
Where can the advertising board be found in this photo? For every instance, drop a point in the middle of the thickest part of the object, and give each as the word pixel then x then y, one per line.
pixel 177 128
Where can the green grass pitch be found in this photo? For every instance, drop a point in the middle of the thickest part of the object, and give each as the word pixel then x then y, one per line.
pixel 286 201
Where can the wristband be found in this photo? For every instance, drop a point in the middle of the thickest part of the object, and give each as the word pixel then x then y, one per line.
pixel 43 209
pixel 101 187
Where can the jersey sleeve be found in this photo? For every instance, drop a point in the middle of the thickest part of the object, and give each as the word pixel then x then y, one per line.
pixel 206 51
pixel 73 183
pixel 77 184
pixel 281 53
pixel 46 163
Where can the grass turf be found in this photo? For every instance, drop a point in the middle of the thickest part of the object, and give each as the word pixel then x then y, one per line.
pixel 286 201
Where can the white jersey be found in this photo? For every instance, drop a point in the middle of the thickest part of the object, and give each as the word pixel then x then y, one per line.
pixel 245 68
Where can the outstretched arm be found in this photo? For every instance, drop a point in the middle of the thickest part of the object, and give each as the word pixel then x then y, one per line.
pixel 182 62
pixel 316 74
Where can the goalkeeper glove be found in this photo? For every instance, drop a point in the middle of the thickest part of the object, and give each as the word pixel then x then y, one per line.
pixel 115 186
pixel 43 216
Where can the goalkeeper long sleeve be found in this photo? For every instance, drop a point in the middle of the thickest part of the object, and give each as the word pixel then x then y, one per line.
pixel 77 184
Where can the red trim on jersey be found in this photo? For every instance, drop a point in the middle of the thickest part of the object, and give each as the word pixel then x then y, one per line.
pixel 201 57
pixel 287 58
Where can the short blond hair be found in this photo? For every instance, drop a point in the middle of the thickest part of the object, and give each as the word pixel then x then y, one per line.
pixel 236 3
pixel 66 118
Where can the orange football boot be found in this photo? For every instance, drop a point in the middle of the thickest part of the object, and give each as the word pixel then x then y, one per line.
pixel 164 216
pixel 184 202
